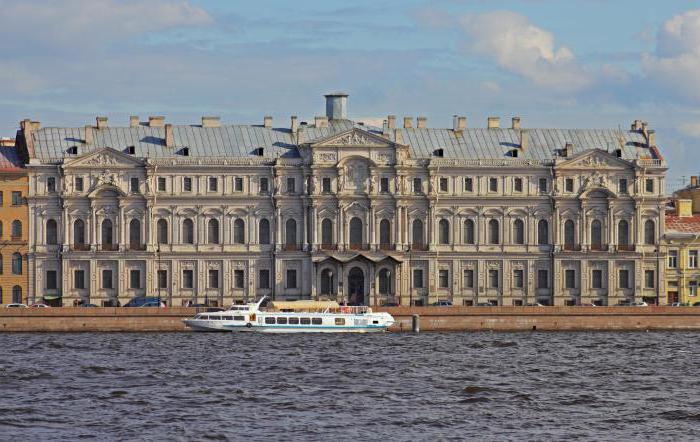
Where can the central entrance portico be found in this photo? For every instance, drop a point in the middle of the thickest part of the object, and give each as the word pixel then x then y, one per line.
pixel 356 286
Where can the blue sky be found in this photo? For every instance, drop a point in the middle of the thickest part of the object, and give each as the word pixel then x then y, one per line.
pixel 555 63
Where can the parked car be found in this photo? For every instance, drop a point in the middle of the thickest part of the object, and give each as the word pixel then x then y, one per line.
pixel 534 304
pixel 484 304
pixel 141 300
pixel 16 305
pixel 443 303
pixel 696 304
pixel 153 304
pixel 639 304
pixel 87 305
pixel 39 306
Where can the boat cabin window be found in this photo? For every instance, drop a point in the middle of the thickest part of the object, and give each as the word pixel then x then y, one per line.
pixel 305 321
pixel 239 318
pixel 281 320
pixel 294 321
pixel 375 322
pixel 228 318
pixel 339 321
pixel 316 321
pixel 269 320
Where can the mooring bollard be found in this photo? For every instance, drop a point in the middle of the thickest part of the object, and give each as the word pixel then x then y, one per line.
pixel 415 324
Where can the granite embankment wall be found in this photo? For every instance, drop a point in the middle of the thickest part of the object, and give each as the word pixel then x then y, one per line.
pixel 431 318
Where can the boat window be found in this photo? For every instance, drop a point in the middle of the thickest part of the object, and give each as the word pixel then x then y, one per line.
pixel 238 318
pixel 305 321
pixel 269 320
pixel 228 318
pixel 375 322
pixel 215 318
pixel 281 320
pixel 293 320
pixel 317 321
pixel 339 321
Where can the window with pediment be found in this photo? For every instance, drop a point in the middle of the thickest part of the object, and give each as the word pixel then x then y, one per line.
pixel 518 231
pixel 469 231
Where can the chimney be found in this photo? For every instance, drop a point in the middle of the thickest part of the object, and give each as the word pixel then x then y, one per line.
pixel 516 123
pixel 391 121
pixel 693 181
pixel 157 121
pixel 524 140
pixel 494 123
pixel 89 135
pixel 134 121
pixel 101 123
pixel 459 123
pixel 336 106
pixel 295 124
pixel 684 207
pixel 267 121
pixel 211 121
pixel 321 121
pixel 637 125
pixel 455 123
pixel 169 137
pixel 651 138
pixel 422 123
pixel 407 122
pixel 568 150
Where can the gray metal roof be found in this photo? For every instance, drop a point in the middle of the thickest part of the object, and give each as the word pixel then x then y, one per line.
pixel 52 144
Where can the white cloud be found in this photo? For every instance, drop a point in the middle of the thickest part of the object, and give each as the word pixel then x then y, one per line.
pixel 676 62
pixel 524 49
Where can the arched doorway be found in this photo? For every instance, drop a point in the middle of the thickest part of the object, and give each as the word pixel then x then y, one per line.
pixel 356 286
pixel 327 282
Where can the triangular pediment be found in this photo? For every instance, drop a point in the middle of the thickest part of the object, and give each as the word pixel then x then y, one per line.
pixel 105 157
pixel 353 138
pixel 595 159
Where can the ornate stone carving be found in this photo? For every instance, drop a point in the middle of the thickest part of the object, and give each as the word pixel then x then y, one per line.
pixel 354 138
pixel 102 159
pixel 325 157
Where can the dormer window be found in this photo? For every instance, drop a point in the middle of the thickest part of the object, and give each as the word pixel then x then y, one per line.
pixel 185 151
pixel 618 153
pixel 260 151
pixel 439 153
pixel 73 150
pixel 131 150
pixel 514 153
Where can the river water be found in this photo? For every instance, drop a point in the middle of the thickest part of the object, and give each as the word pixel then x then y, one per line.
pixel 485 386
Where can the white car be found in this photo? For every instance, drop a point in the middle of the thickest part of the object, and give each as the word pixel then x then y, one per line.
pixel 39 306
pixel 639 304
pixel 16 305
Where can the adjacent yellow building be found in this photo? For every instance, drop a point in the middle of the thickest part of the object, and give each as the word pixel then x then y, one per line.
pixel 14 223
pixel 682 240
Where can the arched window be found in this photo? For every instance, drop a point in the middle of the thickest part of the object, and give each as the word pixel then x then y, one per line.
pixel 469 231
pixel 16 264
pixel 290 232
pixel 264 231
pixel 623 233
pixel 543 232
pixel 355 231
pixel 649 232
pixel 326 282
pixel 162 231
pixel 51 232
pixel 444 231
pixel 16 229
pixel 1 230
pixel 596 234
pixel 107 239
pixel 494 233
pixel 518 231
pixel 384 232
pixel 384 282
pixel 134 233
pixel 239 231
pixel 17 294
pixel 326 232
pixel 213 231
pixel 417 233
pixel 569 234
pixel 79 232
pixel 187 231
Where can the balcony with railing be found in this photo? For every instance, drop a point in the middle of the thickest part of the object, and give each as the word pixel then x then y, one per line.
pixel 358 246
pixel 108 247
pixel 291 247
pixel 418 247
pixel 329 246
pixel 81 247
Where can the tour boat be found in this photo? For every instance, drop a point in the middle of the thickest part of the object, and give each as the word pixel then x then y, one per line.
pixel 293 317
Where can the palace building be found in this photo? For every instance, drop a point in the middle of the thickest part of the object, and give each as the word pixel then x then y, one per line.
pixel 334 208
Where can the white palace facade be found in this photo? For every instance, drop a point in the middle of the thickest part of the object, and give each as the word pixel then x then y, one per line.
pixel 399 214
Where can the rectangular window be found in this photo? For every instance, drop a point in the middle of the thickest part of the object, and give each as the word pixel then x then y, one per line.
pixel 51 184
pixel 263 279
pixel 291 278
pixel 693 288
pixel 213 184
pixel 417 185
pixel 384 185
pixel 693 259
pixel 79 279
pixel 542 279
pixel 570 279
pixel 326 185
pixel 51 281
pixel 264 187
pixel 161 184
pixel 135 279
pixel 417 278
pixel 493 184
pixel 622 185
pixel 443 184
pixel 468 279
pixel 134 185
pixel 569 185
pixel 468 184
pixel 78 184
pixel 238 279
pixel 1 198
pixel 518 278
pixel 187 184
pixel 672 259
pixel 162 279
pixel 493 279
pixel 542 185
pixel 291 185
pixel 238 184
pixel 649 280
pixel 624 278
pixel 187 279
pixel 107 279
pixel 17 199
pixel 443 278
pixel 213 279
pixel 597 279
pixel 649 185
pixel 517 185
